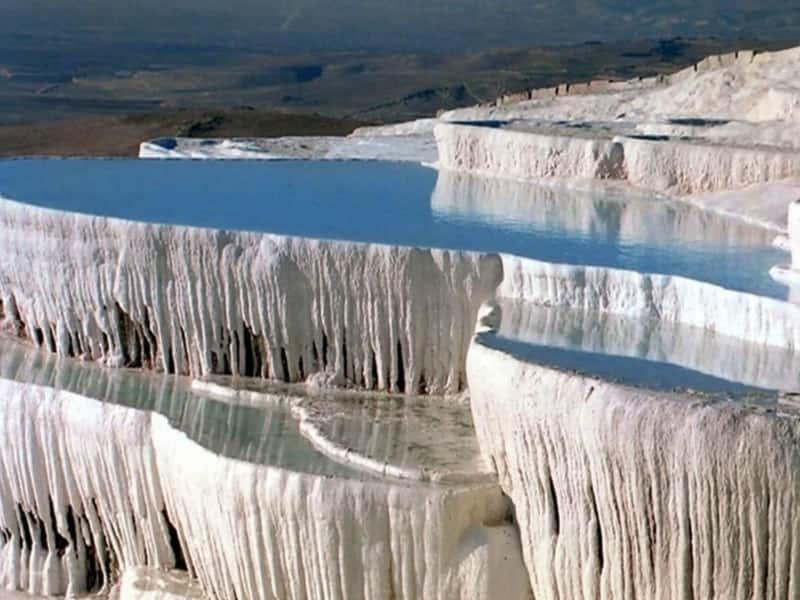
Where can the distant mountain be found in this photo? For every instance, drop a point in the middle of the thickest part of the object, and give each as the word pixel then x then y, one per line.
pixel 388 25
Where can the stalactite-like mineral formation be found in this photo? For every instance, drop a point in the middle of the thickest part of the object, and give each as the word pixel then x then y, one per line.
pixel 197 301
pixel 89 489
pixel 623 492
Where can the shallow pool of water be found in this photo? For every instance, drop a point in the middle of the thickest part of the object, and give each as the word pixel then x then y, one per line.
pixel 644 352
pixel 389 429
pixel 407 204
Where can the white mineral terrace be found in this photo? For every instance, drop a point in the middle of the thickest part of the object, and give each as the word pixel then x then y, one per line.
pixel 404 142
pixel 198 301
pixel 405 437
pixel 623 492
pixel 629 252
pixel 109 470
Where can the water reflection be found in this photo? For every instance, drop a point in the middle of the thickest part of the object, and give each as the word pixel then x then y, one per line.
pixel 263 435
pixel 409 205
pixel 414 433
pixel 613 226
pixel 405 431
pixel 645 352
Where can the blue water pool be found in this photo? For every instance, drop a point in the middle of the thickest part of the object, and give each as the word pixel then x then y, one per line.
pixel 406 204
pixel 645 352
pixel 663 376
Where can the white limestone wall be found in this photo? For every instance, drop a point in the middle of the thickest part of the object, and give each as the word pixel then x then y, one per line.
pixel 523 155
pixel 675 167
pixel 198 301
pixel 625 493
pixel 89 489
pixel 749 317
pixel 683 168
pixel 79 492
pixel 313 537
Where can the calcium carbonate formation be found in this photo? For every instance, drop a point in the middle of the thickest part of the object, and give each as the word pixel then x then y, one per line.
pixel 195 301
pixel 748 317
pixel 517 154
pixel 624 492
pixel 614 491
pixel 90 489
pixel 678 167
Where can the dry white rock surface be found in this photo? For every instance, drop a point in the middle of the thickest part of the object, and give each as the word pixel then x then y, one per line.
pixel 754 92
pixel 404 142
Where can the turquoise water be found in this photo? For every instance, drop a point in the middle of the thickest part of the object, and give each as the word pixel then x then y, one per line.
pixel 407 204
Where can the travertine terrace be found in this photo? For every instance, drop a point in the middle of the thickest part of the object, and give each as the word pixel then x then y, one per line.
pixel 579 486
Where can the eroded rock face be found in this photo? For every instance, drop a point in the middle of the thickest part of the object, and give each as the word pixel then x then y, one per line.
pixel 194 301
pixel 627 493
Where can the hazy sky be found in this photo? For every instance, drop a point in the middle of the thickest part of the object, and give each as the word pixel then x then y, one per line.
pixel 406 25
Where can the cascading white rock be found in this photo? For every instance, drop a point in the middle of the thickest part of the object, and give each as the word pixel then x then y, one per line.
pixel 626 493
pixel 298 536
pixel 79 492
pixel 683 167
pixel 675 167
pixel 88 489
pixel 199 301
pixel 525 155
pixel 749 317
